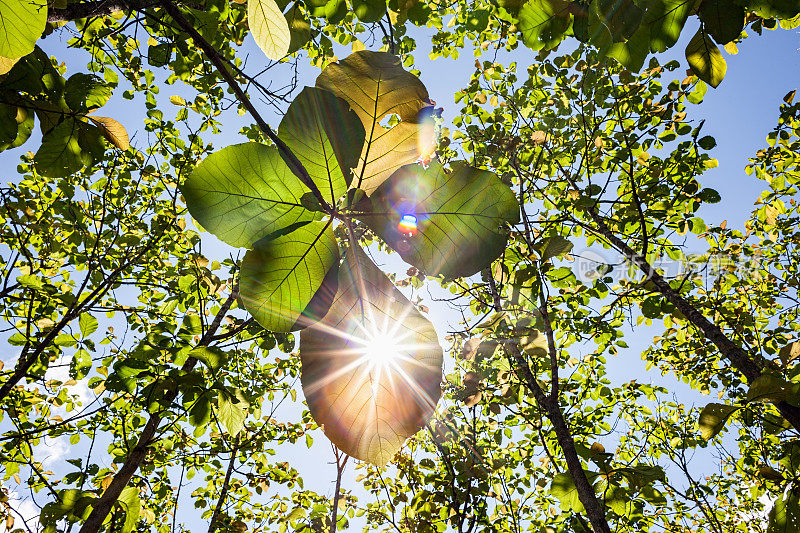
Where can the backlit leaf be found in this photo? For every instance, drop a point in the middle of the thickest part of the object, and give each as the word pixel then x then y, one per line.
pixel 231 410
pixel 22 23
pixel 705 59
pixel 544 23
pixel 461 217
pixel 722 19
pixel 713 418
pixel 785 514
pixel 269 28
pixel 326 136
pixel 369 409
pixel 376 86
pixel 280 276
pixel 113 131
pixel 245 192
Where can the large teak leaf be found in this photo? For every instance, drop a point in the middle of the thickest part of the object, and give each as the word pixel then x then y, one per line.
pixel 269 27
pixel 462 217
pixel 245 192
pixel 280 276
pixel 326 136
pixel 376 86
pixel 21 24
pixel 368 406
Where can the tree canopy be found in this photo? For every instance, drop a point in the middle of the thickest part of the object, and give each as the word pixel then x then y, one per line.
pixel 190 299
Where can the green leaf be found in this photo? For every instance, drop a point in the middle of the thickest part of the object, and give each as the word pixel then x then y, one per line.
pixel 200 410
pixel 621 17
pixel 81 363
pixel 553 246
pixel 299 28
pixel 780 9
pixel 61 152
pixel 544 23
pixel 705 59
pixel 368 408
pixel 22 23
pixel 698 93
pixel 785 514
pixel 212 357
pixel 129 498
pixel 713 418
pixel 245 192
pixel 767 388
pixel 565 491
pixel 279 277
pixel 722 19
pixel 462 217
pixel 84 92
pixel 269 28
pixel 664 20
pixel 159 55
pixel 369 10
pixel 88 324
pixel 326 136
pixel 232 410
pixel 376 86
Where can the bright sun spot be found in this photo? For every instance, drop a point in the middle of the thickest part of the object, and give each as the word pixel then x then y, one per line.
pixel 381 353
pixel 382 349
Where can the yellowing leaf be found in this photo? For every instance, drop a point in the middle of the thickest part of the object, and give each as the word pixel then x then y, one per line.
pixel 269 27
pixel 6 64
pixel 376 86
pixel 113 131
pixel 371 368
pixel 705 59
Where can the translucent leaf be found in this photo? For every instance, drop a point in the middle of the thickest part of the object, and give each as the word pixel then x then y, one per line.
pixel 705 59
pixel 369 10
pixel 664 20
pixel 212 357
pixel 299 28
pixel 22 23
pixel 326 136
pixel 6 64
pixel 544 23
pixel 371 368
pixel 461 217
pixel 232 410
pixel 88 324
pixel 713 418
pixel 767 388
pixel 245 192
pixel 61 152
pixel 83 92
pixel 269 28
pixel 621 17
pixel 785 514
pixel 113 131
pixel 129 498
pixel 376 86
pixel 279 277
pixel 553 246
pixel 564 489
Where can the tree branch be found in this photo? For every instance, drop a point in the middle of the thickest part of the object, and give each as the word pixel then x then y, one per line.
pixel 106 502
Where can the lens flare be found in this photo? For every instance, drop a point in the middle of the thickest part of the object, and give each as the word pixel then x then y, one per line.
pixel 407 225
